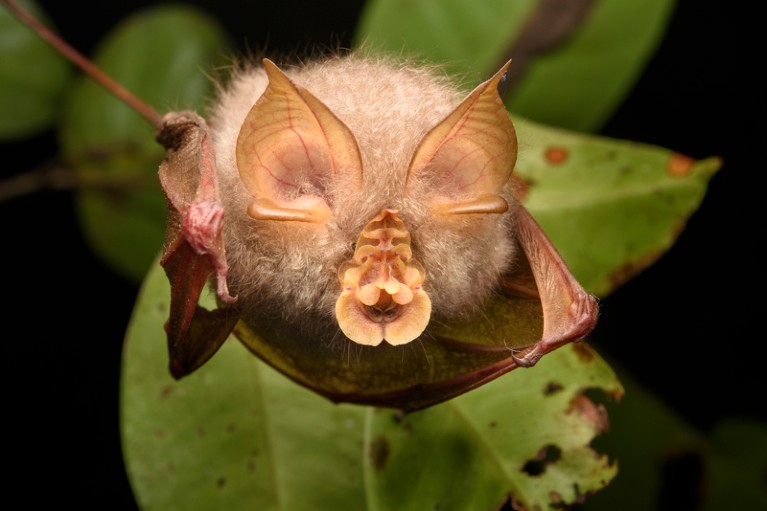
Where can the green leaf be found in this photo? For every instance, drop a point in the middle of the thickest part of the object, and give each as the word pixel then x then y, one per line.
pixel 32 77
pixel 729 461
pixel 235 435
pixel 238 435
pixel 611 207
pixel 579 85
pixel 474 451
pixel 576 85
pixel 468 37
pixel 161 55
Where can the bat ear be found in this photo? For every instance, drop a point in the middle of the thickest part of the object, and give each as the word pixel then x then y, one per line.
pixel 464 162
pixel 293 153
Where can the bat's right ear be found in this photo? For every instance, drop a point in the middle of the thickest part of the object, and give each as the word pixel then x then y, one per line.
pixel 462 165
pixel 291 149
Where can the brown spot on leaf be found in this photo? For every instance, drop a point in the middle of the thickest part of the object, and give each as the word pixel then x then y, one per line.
pixel 595 415
pixel 680 165
pixel 555 496
pixel 552 387
pixel 583 351
pixel 231 427
pixel 556 155
pixel 493 424
pixel 166 391
pixel 379 452
pixel 220 483
pixel 160 434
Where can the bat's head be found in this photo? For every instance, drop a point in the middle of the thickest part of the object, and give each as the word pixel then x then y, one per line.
pixel 372 193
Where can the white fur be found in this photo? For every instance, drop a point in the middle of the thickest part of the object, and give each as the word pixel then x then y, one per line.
pixel 290 268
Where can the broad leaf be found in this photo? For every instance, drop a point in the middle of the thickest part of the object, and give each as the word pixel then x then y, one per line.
pixel 237 435
pixel 525 435
pixel 32 77
pixel 611 207
pixel 573 82
pixel 160 55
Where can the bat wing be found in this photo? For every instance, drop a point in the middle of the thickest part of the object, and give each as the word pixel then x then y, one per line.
pixel 569 313
pixel 194 249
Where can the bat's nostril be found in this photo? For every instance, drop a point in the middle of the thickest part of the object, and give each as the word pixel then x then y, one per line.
pixel 382 313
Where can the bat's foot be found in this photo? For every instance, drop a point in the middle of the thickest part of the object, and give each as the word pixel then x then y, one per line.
pixel 582 318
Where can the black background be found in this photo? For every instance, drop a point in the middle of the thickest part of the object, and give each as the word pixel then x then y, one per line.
pixel 688 327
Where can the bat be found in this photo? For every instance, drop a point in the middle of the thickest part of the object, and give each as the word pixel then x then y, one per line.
pixel 357 218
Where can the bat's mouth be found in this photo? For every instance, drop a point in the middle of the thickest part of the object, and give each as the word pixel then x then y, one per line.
pixel 382 296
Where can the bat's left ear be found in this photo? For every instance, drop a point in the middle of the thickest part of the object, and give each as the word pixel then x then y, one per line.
pixel 293 152
pixel 464 162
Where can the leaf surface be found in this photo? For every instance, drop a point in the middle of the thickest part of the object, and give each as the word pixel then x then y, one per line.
pixel 473 451
pixel 611 207
pixel 575 84
pixel 33 77
pixel 235 434
pixel 238 435
pixel 161 55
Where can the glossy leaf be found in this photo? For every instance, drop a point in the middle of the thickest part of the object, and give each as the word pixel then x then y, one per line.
pixel 493 439
pixel 235 435
pixel 32 77
pixel 238 435
pixel 611 207
pixel 577 84
pixel 161 55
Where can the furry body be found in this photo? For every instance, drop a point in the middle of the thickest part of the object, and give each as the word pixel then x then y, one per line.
pixel 291 268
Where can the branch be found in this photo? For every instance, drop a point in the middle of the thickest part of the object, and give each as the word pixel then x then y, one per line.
pixel 61 46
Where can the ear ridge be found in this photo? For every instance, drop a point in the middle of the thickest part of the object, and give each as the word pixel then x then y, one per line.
pixel 470 154
pixel 290 139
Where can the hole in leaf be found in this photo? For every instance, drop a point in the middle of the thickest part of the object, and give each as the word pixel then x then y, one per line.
pixel 536 466
pixel 552 387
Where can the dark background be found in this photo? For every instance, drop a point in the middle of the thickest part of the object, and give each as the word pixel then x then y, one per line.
pixel 687 328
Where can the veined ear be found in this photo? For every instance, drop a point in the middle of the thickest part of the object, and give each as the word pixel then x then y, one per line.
pixel 463 163
pixel 290 149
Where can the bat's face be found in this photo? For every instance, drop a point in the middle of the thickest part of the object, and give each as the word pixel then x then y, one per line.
pixel 372 195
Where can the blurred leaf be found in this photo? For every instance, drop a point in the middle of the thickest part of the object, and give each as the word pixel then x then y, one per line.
pixel 161 55
pixel 579 85
pixel 611 207
pixel 32 77
pixel 663 459
pixel 469 38
pixel 237 435
pixel 575 85
pixel 737 467
pixel 526 435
